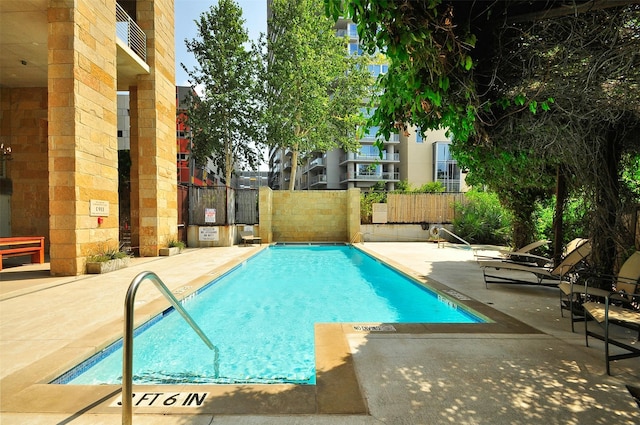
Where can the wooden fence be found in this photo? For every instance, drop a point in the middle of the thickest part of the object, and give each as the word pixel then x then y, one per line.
pixel 422 207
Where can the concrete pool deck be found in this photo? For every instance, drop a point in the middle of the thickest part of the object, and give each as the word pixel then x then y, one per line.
pixel 527 367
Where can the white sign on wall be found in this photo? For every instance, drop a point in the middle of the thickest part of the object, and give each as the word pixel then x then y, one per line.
pixel 98 208
pixel 210 215
pixel 208 234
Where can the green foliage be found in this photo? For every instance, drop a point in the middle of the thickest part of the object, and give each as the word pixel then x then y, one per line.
pixel 482 219
pixel 575 218
pixel 106 254
pixel 429 82
pixel 631 175
pixel 315 90
pixel 175 243
pixel 431 187
pixel 367 199
pixel 404 186
pixel 226 119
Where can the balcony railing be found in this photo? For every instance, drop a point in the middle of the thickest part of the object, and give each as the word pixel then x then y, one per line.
pixel 370 157
pixel 128 31
pixel 393 138
pixel 320 178
pixel 386 176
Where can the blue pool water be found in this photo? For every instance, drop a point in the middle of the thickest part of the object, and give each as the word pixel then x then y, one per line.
pixel 260 317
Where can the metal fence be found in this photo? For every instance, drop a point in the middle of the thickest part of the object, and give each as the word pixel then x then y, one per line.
pixel 247 206
pixel 209 206
pixel 220 205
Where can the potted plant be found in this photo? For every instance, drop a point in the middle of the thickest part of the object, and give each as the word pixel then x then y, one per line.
pixel 107 260
pixel 174 246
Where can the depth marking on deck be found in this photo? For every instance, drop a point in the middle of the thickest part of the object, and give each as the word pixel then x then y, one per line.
pixel 457 295
pixel 375 328
pixel 161 399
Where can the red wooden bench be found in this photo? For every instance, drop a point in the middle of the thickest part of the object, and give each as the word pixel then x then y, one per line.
pixel 22 245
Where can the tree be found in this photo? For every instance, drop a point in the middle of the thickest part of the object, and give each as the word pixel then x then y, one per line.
pixel 225 119
pixel 315 90
pixel 588 64
pixel 527 89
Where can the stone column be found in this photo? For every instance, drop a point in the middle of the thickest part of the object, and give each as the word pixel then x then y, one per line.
pixel 155 157
pixel 83 159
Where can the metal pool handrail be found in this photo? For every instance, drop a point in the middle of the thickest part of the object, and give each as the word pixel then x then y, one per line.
pixel 127 343
pixel 452 234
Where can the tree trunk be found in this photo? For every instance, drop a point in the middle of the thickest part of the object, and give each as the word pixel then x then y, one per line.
pixel 606 208
pixel 228 158
pixel 294 169
pixel 561 197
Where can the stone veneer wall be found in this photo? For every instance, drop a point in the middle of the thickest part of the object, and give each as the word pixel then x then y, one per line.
pixel 309 216
pixel 23 126
pixel 153 147
pixel 83 157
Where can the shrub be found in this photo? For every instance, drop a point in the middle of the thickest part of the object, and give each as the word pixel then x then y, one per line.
pixel 106 255
pixel 575 220
pixel 175 243
pixel 482 219
pixel 367 199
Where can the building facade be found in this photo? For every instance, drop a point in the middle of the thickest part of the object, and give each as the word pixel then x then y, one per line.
pixel 63 64
pixel 416 157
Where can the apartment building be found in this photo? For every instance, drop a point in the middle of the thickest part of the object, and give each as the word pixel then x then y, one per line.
pixel 417 157
pixel 61 68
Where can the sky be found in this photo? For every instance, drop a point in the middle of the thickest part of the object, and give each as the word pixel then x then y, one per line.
pixel 254 13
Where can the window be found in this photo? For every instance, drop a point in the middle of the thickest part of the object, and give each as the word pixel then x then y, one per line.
pixel 353 30
pixel 376 69
pixel 355 49
pixel 419 135
pixel 119 133
pixel 370 151
pixel 369 170
pixel 446 169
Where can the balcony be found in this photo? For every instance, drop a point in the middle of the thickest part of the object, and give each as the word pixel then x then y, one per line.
pixel 359 157
pixel 131 44
pixel 316 163
pixel 320 179
pixel 371 138
pixel 372 177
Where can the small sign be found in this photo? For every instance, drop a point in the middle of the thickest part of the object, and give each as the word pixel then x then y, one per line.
pixel 374 328
pixel 98 208
pixel 208 234
pixel 161 399
pixel 210 215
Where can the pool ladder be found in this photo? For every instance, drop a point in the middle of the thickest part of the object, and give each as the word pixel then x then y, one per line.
pixel 127 346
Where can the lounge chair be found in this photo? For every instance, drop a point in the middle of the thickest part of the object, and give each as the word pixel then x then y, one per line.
pixel 542 273
pixel 618 307
pixel 524 254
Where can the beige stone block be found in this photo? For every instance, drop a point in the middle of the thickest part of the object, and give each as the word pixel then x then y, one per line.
pixel 66 56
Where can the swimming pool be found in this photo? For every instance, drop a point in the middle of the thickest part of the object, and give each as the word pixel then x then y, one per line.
pixel 261 315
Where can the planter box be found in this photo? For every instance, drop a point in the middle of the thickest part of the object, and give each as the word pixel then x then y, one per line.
pixel 170 251
pixel 107 266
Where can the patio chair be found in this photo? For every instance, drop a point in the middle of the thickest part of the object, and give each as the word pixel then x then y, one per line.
pixel 618 307
pixel 571 261
pixel 573 294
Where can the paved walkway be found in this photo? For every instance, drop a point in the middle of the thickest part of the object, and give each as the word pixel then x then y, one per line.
pixel 541 373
